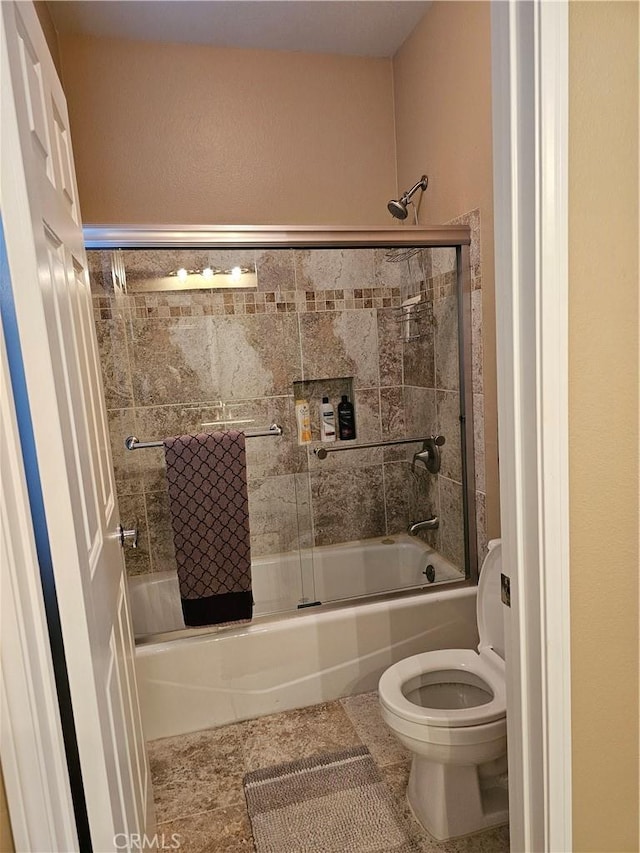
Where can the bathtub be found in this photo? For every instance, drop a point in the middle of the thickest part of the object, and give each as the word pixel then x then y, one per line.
pixel 207 677
pixel 331 573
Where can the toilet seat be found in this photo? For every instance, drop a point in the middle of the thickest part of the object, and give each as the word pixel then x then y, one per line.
pixel 447 661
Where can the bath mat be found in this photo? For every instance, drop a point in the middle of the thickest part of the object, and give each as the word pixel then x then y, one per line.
pixel 336 803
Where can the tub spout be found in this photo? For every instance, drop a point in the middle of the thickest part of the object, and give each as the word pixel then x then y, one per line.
pixel 428 524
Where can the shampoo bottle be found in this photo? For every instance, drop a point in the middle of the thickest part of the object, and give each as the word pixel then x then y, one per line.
pixel 346 420
pixel 303 421
pixel 327 421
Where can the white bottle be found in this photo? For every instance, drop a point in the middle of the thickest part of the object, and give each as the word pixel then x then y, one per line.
pixel 327 421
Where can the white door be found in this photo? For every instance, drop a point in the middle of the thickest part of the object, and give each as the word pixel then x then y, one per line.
pixel 52 300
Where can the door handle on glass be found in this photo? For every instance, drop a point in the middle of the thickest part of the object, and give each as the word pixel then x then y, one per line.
pixel 132 534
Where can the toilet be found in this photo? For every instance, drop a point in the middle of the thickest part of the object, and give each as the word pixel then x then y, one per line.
pixel 449 709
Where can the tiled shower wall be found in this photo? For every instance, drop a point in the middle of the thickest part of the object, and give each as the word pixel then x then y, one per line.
pixel 174 361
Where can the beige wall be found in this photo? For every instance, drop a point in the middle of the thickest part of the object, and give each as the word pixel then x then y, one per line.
pixel 175 133
pixel 442 92
pixel 603 318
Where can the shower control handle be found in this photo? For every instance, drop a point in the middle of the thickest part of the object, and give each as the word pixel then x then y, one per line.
pixel 430 455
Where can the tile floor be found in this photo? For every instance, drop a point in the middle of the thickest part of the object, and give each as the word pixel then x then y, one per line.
pixel 197 778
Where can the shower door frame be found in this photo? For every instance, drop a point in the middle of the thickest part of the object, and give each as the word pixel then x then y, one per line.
pixel 457 237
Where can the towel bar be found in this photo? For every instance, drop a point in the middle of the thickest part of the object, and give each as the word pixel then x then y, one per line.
pixel 132 443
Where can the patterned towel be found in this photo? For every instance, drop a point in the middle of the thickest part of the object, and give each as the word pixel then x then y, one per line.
pixel 207 481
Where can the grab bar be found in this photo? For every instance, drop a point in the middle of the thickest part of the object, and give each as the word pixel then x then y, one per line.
pixel 132 443
pixel 321 452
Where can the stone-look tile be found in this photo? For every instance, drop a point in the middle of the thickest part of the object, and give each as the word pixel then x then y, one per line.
pixel 446 319
pixel 364 712
pixel 420 411
pixel 367 412
pixel 451 522
pixel 392 414
pixel 478 441
pixel 489 841
pixel 334 269
pixel 126 463
pixel 196 772
pixel 396 777
pixel 133 514
pixel 477 350
pixel 449 426
pixel 217 831
pixel 418 357
pixel 154 424
pixel 388 272
pixel 389 346
pixel 397 496
pixel 303 510
pixel 347 504
pixel 172 359
pixel 114 363
pixel 481 527
pixel 163 555
pixel 214 831
pixel 195 359
pixel 273 515
pixel 296 734
pixel 267 456
pixel 154 264
pixel 276 270
pixel 255 356
pixel 442 261
pixel 343 343
pixel 99 269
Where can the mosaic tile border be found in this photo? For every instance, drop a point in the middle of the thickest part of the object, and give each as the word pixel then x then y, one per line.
pixel 194 304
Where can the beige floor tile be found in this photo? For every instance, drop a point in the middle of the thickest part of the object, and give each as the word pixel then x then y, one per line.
pixel 364 713
pixel 218 831
pixel 296 734
pixel 196 772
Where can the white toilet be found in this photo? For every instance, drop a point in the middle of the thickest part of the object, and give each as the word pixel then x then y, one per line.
pixel 449 709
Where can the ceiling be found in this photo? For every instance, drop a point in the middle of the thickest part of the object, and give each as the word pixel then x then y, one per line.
pixel 352 27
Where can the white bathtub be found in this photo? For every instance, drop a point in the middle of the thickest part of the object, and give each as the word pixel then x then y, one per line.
pixel 330 573
pixel 210 678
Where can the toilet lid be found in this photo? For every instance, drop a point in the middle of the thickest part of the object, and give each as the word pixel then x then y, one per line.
pixel 489 605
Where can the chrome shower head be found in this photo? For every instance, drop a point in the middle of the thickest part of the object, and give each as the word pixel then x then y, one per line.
pixel 398 207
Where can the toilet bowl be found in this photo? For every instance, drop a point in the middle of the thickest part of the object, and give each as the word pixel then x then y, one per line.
pixel 449 710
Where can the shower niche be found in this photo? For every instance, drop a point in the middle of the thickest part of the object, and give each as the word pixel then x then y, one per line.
pixel 362 314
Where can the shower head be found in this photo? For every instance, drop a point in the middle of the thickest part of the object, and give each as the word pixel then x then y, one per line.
pixel 398 207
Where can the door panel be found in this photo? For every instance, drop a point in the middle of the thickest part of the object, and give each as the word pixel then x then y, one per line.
pixel 53 308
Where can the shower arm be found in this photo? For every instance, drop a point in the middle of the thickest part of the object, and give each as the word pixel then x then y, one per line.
pixel 421 184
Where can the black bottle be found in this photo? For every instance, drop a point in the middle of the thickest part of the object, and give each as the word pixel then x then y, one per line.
pixel 346 420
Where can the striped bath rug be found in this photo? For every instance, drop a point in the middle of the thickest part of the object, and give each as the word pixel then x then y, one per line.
pixel 335 803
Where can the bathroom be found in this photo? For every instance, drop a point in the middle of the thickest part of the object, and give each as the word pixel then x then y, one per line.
pixel 175 360
pixel 298 153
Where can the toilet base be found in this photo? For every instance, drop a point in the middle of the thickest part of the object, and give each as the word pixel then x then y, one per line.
pixel 450 800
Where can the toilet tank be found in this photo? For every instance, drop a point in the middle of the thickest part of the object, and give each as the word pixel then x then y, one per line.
pixel 489 607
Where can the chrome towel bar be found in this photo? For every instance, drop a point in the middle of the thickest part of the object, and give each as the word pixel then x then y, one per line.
pixel 321 452
pixel 132 443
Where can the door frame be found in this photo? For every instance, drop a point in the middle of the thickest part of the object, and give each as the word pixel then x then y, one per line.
pixel 530 48
pixel 530 123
